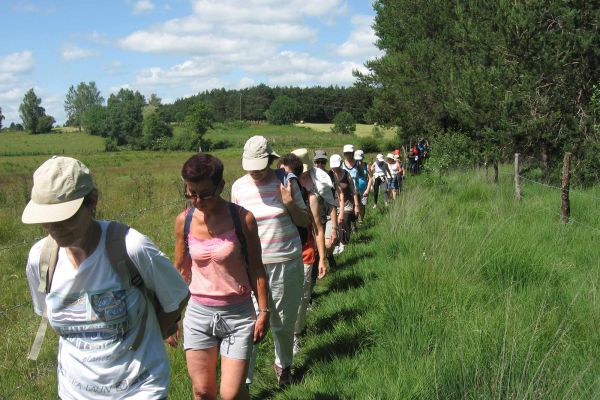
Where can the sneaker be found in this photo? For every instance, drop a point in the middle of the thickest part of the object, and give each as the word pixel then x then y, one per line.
pixel 296 344
pixel 375 206
pixel 284 375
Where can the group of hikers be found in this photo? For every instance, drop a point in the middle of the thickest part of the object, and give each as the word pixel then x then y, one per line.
pixel 240 268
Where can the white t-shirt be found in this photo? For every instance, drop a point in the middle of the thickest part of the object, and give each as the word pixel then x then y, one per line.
pixel 98 320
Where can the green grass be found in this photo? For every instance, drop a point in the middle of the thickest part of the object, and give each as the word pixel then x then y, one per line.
pixel 60 141
pixel 455 292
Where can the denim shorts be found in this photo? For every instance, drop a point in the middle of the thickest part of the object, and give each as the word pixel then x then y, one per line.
pixel 231 328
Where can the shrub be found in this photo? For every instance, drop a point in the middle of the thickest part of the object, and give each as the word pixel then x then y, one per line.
pixel 344 123
pixel 449 150
pixel 110 144
pixel 369 145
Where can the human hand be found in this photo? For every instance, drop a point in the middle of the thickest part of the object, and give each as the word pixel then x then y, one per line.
pixel 322 269
pixel 173 340
pixel 261 327
pixel 285 193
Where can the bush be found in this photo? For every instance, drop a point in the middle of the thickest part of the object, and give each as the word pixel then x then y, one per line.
pixel 344 123
pixel 283 111
pixel 110 144
pixel 449 150
pixel 369 145
pixel 377 132
pixel 186 140
pixel 45 123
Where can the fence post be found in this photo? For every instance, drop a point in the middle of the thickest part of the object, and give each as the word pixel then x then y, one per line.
pixel 565 207
pixel 517 178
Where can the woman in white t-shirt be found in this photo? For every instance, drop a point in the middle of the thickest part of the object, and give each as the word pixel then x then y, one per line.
pixel 110 343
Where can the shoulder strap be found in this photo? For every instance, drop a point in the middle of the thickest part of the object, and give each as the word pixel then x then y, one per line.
pixel 189 213
pixel 47 264
pixel 282 176
pixel 116 249
pixel 234 210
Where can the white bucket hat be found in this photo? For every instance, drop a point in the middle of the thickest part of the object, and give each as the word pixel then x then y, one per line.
pixel 256 154
pixel 59 186
pixel 348 148
pixel 359 155
pixel 303 156
pixel 380 157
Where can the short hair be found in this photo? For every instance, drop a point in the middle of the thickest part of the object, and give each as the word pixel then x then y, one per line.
pixel 202 166
pixel 293 161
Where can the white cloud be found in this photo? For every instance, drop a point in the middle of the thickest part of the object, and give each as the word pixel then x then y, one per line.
pixel 16 63
pixel 113 68
pixel 98 38
pixel 245 82
pixel 177 74
pixel 115 89
pixel 361 43
pixel 26 7
pixel 70 52
pixel 142 6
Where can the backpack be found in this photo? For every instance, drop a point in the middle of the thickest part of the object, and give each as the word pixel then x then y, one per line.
pixel 234 210
pixel 284 177
pixel 122 264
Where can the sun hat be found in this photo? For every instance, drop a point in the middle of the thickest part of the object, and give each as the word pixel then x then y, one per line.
pixel 335 161
pixel 380 157
pixel 59 186
pixel 359 155
pixel 303 156
pixel 396 157
pixel 320 155
pixel 256 154
pixel 348 148
pixel 390 155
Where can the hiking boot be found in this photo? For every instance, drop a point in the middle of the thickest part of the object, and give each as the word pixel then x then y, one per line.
pixel 284 375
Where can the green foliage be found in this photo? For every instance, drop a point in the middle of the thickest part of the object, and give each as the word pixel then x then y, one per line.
pixel 283 111
pixel 199 118
pixel 377 132
pixel 449 152
pixel 79 99
pixel 1 117
pixel 185 140
pixel 369 144
pixel 124 117
pixel 156 132
pixel 31 111
pixel 94 120
pixel 343 123
pixel 111 144
pixel 45 123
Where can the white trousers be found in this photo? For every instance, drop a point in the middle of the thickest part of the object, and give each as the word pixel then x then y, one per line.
pixel 304 300
pixel 285 291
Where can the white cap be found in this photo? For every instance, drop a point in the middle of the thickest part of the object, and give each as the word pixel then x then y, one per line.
pixel 348 148
pixel 390 156
pixel 380 157
pixel 256 154
pixel 335 161
pixel 59 186
pixel 303 156
pixel 359 155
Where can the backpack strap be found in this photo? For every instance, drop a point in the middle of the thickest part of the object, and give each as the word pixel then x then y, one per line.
pixel 116 250
pixel 47 266
pixel 234 210
pixel 189 213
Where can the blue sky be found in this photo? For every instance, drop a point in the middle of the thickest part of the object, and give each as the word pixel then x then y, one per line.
pixel 176 48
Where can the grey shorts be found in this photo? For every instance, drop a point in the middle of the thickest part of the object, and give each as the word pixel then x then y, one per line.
pixel 231 328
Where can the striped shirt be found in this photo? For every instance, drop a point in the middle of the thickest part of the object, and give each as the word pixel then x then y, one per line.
pixel 278 235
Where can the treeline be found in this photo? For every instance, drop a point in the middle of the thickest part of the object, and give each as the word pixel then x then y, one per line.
pixel 494 77
pixel 314 104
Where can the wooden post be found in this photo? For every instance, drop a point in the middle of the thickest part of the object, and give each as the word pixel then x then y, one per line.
pixel 565 207
pixel 517 178
pixel 495 165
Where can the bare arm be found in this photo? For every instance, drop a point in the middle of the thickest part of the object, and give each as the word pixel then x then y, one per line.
pixel 182 262
pixel 319 234
pixel 257 275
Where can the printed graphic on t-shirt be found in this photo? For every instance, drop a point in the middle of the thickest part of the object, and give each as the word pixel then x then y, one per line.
pixel 90 321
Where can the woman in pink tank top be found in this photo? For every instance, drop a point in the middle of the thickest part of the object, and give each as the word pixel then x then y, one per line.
pixel 223 265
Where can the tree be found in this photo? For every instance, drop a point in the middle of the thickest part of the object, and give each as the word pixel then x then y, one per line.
pixel 124 117
pixel 94 120
pixel 283 111
pixel 199 118
pixel 155 132
pixel 80 99
pixel 1 117
pixel 31 111
pixel 343 123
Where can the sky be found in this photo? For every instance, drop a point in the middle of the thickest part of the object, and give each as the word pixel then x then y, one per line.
pixel 177 48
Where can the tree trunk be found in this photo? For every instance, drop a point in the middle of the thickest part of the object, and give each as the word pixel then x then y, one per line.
pixel 495 171
pixel 565 206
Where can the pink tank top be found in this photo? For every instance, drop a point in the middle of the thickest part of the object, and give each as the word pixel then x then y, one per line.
pixel 219 273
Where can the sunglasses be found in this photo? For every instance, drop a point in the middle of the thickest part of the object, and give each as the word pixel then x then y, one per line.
pixel 320 162
pixel 197 196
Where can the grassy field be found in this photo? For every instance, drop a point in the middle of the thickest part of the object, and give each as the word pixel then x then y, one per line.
pixel 362 130
pixel 455 292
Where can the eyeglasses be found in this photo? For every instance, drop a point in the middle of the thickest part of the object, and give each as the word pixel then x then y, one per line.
pixel 192 195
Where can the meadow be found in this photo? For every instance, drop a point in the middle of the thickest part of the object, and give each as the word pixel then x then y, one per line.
pixel 455 292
